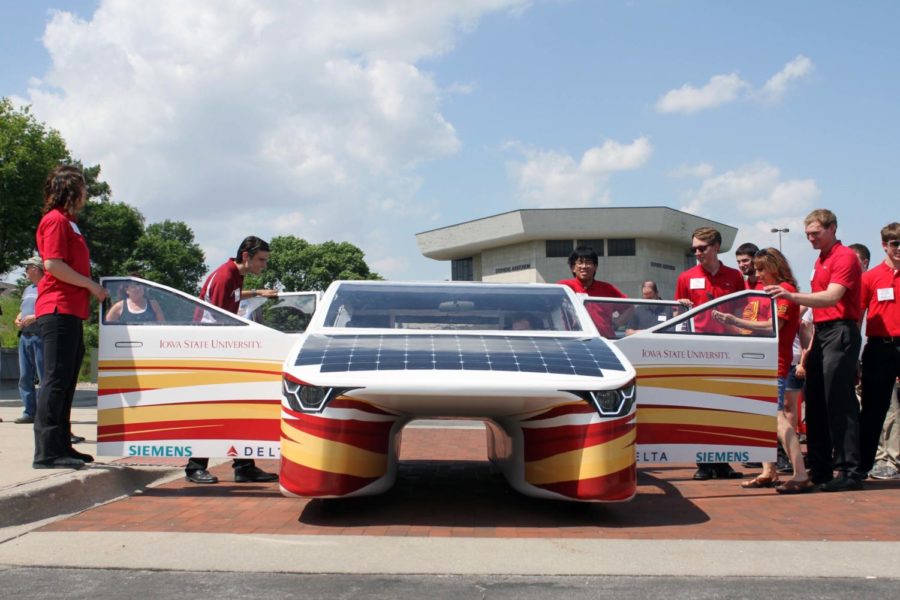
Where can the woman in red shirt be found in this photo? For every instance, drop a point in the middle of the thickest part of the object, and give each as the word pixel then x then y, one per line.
pixel 772 268
pixel 62 305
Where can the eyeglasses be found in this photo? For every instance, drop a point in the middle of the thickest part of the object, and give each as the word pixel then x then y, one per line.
pixel 761 254
pixel 893 244
pixel 701 248
pixel 583 262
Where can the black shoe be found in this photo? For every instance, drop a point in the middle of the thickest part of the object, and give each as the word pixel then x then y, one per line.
pixel 200 476
pixel 63 462
pixel 75 439
pixel 726 472
pixel 24 419
pixel 253 475
pixel 842 484
pixel 703 473
pixel 81 456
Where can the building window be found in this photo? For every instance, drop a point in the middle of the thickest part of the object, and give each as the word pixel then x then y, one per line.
pixel 559 248
pixel 621 247
pixel 595 245
pixel 462 270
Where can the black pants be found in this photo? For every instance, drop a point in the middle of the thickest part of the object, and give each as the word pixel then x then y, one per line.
pixel 197 463
pixel 63 353
pixel 832 411
pixel 880 369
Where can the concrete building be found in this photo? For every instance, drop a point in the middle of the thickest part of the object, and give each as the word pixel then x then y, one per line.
pixel 532 245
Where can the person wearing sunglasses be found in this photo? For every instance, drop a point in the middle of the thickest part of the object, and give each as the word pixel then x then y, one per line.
pixel 832 410
pixel 707 280
pixel 881 355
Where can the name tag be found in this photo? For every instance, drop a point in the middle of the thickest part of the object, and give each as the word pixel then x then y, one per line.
pixel 237 295
pixel 885 294
pixel 661 318
pixel 75 228
pixel 698 283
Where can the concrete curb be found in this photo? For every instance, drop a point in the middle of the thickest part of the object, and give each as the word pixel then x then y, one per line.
pixel 72 492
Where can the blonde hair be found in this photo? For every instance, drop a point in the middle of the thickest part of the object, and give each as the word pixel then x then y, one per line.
pixel 709 235
pixel 824 216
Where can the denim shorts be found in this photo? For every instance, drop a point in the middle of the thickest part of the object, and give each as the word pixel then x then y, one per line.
pixel 791 382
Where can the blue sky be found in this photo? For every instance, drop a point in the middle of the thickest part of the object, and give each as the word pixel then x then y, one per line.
pixel 371 121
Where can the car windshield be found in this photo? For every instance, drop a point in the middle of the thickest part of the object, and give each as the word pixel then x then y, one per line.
pixel 452 307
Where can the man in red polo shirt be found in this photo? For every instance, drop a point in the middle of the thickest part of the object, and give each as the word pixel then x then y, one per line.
pixel 707 280
pixel 583 264
pixel 832 411
pixel 224 288
pixel 881 356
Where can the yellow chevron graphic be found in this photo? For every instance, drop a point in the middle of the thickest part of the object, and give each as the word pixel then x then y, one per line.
pixel 702 371
pixel 261 365
pixel 698 417
pixel 332 457
pixel 196 411
pixel 177 379
pixel 583 463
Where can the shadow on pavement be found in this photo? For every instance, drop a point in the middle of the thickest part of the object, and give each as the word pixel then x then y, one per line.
pixel 475 494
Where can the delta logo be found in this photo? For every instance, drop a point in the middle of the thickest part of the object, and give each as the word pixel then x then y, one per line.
pixel 252 452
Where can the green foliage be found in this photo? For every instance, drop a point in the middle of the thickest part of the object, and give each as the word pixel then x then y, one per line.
pixel 297 265
pixel 112 230
pixel 28 152
pixel 167 254
pixel 10 307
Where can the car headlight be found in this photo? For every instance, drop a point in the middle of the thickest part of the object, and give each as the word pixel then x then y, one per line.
pixel 611 403
pixel 302 397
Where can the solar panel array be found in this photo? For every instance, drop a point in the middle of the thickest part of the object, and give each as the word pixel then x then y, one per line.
pixel 566 356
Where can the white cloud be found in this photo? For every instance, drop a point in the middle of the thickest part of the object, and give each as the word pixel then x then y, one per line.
pixel 776 87
pixel 268 118
pixel 755 190
pixel 721 89
pixel 549 179
pixel 698 170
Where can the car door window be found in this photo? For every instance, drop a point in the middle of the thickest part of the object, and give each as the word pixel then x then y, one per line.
pixel 162 306
pixel 288 313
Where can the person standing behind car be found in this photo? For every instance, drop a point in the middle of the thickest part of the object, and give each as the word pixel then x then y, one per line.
pixel 880 302
pixel 31 348
pixel 832 411
pixel 708 280
pixel 583 263
pixel 63 302
pixel 224 288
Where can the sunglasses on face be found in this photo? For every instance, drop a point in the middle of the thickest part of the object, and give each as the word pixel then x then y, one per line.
pixel 701 248
pixel 893 244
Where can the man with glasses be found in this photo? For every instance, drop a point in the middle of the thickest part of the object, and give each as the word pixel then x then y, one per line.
pixel 881 356
pixel 583 264
pixel 224 288
pixel 832 411
pixel 707 280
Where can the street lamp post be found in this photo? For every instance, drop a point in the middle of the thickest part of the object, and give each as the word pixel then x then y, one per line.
pixel 779 231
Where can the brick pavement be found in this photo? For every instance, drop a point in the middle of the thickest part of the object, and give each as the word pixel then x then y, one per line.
pixel 446 488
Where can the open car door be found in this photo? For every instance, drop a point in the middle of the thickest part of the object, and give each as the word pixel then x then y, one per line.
pixel 706 392
pixel 193 380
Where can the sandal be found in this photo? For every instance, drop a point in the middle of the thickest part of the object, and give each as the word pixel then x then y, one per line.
pixel 792 486
pixel 760 482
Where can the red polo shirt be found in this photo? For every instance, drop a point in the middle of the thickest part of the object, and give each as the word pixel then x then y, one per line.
pixel 790 314
pixel 880 293
pixel 700 286
pixel 59 238
pixel 223 288
pixel 601 315
pixel 838 265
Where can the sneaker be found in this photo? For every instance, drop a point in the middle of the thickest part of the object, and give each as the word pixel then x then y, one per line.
pixel 843 483
pixel 883 471
pixel 24 419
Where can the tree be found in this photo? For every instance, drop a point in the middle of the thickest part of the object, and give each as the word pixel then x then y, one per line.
pixel 167 254
pixel 28 152
pixel 297 265
pixel 112 230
